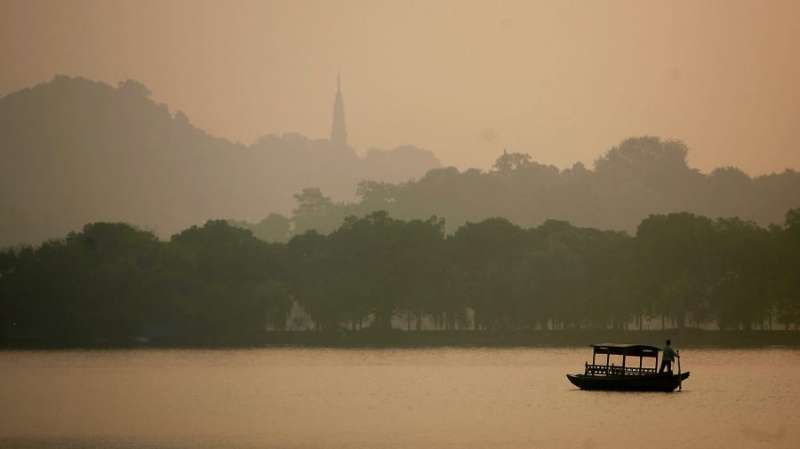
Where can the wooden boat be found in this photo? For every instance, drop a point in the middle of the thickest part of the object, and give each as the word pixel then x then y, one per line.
pixel 622 377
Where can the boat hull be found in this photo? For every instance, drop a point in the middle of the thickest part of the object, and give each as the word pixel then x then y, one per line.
pixel 652 382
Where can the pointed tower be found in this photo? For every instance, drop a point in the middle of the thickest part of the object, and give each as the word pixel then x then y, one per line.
pixel 338 129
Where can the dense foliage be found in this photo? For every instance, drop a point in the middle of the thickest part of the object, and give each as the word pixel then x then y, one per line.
pixel 112 282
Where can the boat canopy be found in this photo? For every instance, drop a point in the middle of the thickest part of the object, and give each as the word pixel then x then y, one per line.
pixel 627 350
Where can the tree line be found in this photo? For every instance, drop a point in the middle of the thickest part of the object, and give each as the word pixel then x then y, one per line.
pixel 113 282
pixel 639 177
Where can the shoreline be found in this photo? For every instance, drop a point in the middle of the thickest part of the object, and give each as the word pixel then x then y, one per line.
pixel 397 339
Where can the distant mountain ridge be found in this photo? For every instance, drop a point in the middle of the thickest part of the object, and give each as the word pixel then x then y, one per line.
pixel 77 151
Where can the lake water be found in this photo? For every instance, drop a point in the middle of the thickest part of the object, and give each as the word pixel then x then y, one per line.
pixel 365 398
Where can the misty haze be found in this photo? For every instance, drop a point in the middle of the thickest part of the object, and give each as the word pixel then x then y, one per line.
pixel 269 224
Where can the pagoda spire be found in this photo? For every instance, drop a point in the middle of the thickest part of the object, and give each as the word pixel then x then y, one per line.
pixel 338 128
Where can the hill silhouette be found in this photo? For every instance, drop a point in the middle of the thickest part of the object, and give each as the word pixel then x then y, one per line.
pixel 77 151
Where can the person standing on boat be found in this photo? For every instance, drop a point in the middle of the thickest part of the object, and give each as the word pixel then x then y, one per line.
pixel 668 358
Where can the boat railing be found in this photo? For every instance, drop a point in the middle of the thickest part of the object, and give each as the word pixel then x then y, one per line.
pixel 613 370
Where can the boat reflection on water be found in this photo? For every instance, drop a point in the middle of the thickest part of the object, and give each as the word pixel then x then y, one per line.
pixel 622 377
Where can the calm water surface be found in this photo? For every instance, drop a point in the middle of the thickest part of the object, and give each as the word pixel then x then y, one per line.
pixel 431 398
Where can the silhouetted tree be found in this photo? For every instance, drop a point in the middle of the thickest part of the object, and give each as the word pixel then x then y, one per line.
pixel 511 161
pixel 674 256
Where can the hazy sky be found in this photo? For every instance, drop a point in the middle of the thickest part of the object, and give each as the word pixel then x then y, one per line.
pixel 561 80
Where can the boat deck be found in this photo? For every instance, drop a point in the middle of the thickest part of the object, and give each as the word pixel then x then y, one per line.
pixel 612 370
